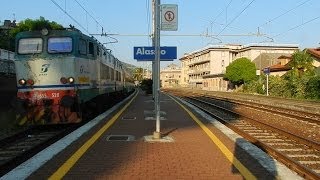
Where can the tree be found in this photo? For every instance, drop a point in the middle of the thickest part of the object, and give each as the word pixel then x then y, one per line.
pixel 138 74
pixel 313 87
pixel 146 85
pixel 7 41
pixel 241 71
pixel 301 71
pixel 301 62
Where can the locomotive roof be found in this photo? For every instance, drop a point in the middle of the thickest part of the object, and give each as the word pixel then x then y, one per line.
pixel 66 32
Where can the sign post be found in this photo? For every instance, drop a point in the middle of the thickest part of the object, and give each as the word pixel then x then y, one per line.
pixel 156 134
pixel 267 72
pixel 155 53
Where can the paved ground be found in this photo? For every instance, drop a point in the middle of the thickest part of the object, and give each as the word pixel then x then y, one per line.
pixel 191 155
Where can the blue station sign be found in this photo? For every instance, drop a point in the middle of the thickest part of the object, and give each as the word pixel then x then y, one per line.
pixel 147 53
pixel 266 70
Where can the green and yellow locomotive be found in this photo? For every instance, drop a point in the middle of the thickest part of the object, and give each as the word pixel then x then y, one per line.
pixel 59 72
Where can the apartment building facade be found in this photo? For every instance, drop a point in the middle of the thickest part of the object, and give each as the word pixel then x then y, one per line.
pixel 170 76
pixel 205 68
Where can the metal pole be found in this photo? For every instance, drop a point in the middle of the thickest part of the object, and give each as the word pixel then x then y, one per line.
pixel 267 84
pixel 157 134
pixel 153 62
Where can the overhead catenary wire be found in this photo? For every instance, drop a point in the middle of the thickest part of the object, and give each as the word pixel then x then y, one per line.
pixel 214 20
pixel 286 12
pixel 295 27
pixel 89 14
pixel 54 2
pixel 236 17
pixel 183 35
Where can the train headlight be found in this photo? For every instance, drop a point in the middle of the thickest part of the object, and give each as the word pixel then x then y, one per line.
pixel 71 80
pixel 63 80
pixel 22 82
pixel 30 82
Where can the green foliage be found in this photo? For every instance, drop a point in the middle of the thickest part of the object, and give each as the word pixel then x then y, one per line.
pixel 296 82
pixel 253 87
pixel 7 40
pixel 241 71
pixel 313 88
pixel 278 87
pixel 302 81
pixel 301 63
pixel 146 85
pixel 138 74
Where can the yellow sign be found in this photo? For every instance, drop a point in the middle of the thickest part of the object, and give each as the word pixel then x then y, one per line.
pixel 83 79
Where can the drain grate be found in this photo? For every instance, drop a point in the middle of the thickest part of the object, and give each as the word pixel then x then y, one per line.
pixel 129 118
pixel 120 138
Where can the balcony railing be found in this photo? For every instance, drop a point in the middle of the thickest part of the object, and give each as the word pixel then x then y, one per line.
pixel 201 61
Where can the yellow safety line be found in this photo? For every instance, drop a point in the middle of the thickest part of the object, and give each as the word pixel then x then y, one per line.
pixel 63 170
pixel 229 155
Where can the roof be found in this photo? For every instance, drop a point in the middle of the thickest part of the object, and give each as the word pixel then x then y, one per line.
pixel 268 59
pixel 314 52
pixel 238 48
pixel 279 67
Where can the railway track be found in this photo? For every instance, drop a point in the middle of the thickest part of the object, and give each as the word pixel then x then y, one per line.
pixel 298 114
pixel 19 147
pixel 298 152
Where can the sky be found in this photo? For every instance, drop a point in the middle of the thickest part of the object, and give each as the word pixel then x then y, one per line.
pixel 200 22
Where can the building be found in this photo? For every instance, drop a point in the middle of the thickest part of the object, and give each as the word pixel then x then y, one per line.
pixel 205 67
pixel 315 53
pixel 147 74
pixel 282 66
pixel 170 76
pixel 7 25
pixel 7 66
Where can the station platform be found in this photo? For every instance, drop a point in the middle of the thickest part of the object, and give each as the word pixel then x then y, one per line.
pixel 119 145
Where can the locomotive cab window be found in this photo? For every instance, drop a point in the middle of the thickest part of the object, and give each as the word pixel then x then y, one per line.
pixel 30 46
pixel 91 48
pixel 59 45
pixel 82 47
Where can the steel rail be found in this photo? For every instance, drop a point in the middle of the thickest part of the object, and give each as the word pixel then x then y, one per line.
pixel 291 163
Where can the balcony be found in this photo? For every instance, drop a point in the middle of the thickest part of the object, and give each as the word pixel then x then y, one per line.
pixel 200 61
pixel 199 71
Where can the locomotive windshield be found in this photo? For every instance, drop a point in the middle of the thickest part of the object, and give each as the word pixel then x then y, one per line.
pixel 30 46
pixel 59 45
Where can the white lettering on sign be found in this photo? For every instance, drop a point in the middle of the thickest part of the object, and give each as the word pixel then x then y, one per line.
pixel 142 51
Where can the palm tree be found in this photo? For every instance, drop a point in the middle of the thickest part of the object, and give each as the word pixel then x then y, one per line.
pixel 138 74
pixel 301 61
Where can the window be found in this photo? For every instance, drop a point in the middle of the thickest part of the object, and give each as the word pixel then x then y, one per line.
pixel 59 45
pixel 91 48
pixel 30 46
pixel 98 51
pixel 112 74
pixel 82 47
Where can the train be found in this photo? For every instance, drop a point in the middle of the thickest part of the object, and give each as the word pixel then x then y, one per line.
pixel 61 74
